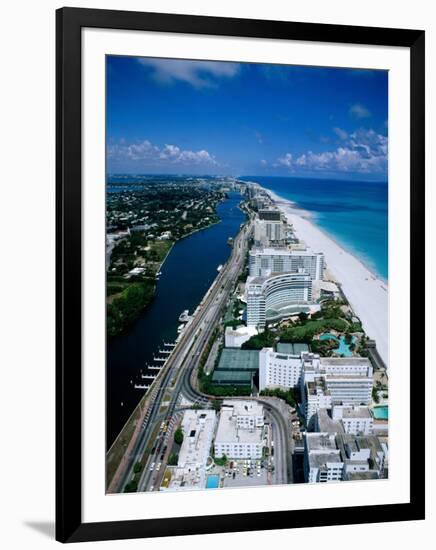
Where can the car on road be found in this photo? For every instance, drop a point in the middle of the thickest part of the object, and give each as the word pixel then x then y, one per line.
pixel 152 466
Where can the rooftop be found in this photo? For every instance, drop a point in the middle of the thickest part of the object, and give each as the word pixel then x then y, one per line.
pixel 327 424
pixel 351 412
pixel 320 441
pixel 320 460
pixel 282 251
pixel 233 359
pixel 292 349
pixel 246 407
pixel 335 361
pixel 198 427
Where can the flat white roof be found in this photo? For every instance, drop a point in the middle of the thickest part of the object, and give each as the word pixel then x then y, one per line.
pixel 198 427
pixel 282 251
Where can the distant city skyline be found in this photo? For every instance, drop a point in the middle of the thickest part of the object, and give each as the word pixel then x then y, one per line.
pixel 167 116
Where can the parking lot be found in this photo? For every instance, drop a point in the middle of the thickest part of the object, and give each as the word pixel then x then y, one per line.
pixel 245 473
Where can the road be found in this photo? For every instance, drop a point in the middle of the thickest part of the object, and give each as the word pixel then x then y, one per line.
pixel 176 379
pixel 192 341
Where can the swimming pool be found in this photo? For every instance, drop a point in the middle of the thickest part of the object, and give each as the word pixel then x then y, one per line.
pixel 344 348
pixel 381 413
pixel 213 482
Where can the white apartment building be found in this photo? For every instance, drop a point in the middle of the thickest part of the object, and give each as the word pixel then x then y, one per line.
pixel 240 432
pixel 365 457
pixel 330 381
pixel 278 370
pixel 267 260
pixel 198 428
pixel 323 462
pixel 354 420
pixel 280 295
pixel 269 231
pixel 344 457
pixel 315 396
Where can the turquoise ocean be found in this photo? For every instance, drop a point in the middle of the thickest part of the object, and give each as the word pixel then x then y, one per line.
pixel 353 213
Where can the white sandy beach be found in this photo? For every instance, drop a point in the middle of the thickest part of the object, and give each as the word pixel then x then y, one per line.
pixel 367 295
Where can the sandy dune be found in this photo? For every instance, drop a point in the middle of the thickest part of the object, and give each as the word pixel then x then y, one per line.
pixel 367 294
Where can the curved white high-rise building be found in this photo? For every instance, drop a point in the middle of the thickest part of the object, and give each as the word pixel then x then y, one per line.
pixel 280 295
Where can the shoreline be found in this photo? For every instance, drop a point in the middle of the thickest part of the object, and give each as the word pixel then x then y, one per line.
pixel 305 214
pixel 366 292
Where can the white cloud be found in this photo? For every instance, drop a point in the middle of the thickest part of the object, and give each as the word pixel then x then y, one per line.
pixel 286 160
pixel 200 74
pixel 263 162
pixel 146 151
pixel 363 151
pixel 358 111
pixel 259 137
pixel 342 134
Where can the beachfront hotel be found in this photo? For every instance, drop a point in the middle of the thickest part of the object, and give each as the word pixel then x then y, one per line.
pixel 264 261
pixel 329 381
pixel 266 232
pixel 277 296
pixel 344 457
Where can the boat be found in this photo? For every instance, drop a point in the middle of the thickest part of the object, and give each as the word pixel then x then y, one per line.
pixel 141 387
pixel 219 268
pixel 230 241
pixel 184 317
pixel 180 329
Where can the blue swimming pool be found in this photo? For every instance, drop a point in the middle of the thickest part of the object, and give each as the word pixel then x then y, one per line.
pixel 213 482
pixel 344 348
pixel 381 413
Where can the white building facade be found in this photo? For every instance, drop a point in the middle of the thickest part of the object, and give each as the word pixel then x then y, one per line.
pixel 265 261
pixel 355 420
pixel 268 231
pixel 330 381
pixel 240 433
pixel 280 295
pixel 278 370
pixel 323 461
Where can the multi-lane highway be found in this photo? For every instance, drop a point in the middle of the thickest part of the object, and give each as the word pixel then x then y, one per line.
pixel 176 379
pixel 190 344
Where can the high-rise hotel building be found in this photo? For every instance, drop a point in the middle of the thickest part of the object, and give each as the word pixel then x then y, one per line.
pixel 265 261
pixel 281 295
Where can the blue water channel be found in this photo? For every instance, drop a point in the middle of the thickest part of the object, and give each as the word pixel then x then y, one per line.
pixel 187 273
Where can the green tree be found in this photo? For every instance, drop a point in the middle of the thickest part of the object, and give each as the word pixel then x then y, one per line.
pixel 131 487
pixel 375 396
pixel 216 404
pixel 173 459
pixel 137 467
pixel 303 317
pixel 178 436
pixel 222 461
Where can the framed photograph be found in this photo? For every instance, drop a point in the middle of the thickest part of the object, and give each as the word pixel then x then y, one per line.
pixel 240 298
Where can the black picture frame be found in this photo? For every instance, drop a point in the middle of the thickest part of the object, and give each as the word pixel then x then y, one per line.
pixel 69 23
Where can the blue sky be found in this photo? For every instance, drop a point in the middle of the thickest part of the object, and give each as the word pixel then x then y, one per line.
pixel 169 116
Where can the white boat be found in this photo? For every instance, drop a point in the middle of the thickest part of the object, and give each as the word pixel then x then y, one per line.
pixel 180 329
pixel 219 268
pixel 184 317
pixel 141 387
